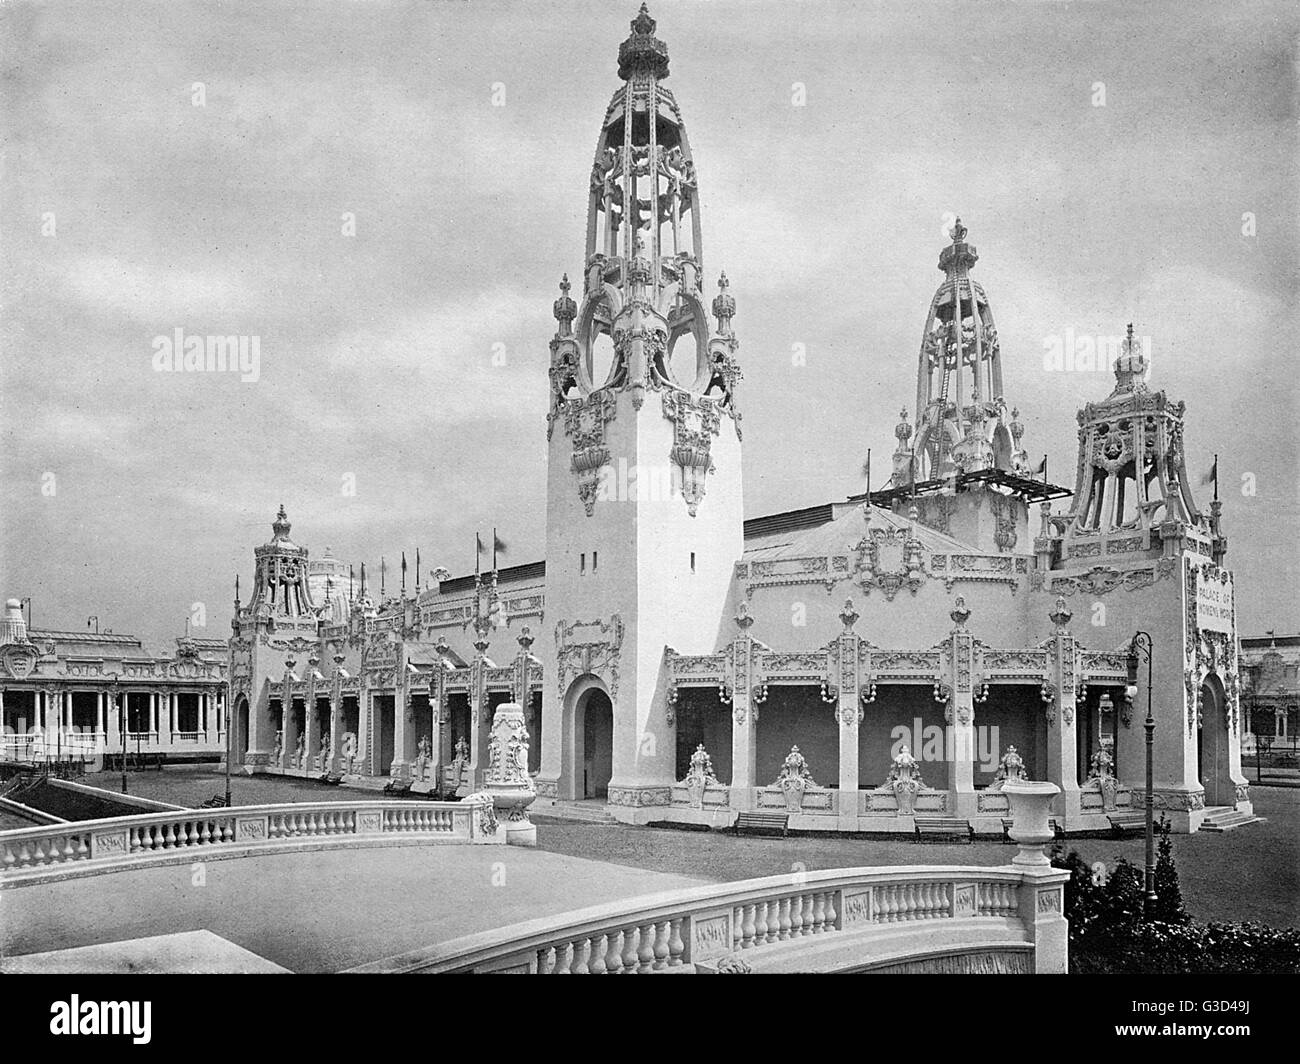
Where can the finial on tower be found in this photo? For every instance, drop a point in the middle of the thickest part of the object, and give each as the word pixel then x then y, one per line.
pixel 1131 365
pixel 903 431
pixel 280 526
pixel 642 52
pixel 724 305
pixel 565 308
pixel 958 232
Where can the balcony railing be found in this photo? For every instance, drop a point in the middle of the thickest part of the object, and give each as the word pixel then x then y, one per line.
pixel 951 919
pixel 120 842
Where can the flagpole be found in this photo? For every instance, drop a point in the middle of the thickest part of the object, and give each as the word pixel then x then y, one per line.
pixel 1216 478
pixel 494 551
pixel 417 570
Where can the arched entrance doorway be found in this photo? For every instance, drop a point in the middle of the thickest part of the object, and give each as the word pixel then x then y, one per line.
pixel 1212 745
pixel 594 746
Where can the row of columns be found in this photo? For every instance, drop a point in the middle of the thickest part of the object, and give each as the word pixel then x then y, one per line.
pixel 53 711
pixel 959 693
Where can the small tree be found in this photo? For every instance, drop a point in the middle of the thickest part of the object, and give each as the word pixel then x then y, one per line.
pixel 1169 895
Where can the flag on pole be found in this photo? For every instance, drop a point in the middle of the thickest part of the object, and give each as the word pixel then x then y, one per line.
pixel 497 548
pixel 417 568
pixel 403 572
pixel 1212 477
pixel 866 472
pixel 478 552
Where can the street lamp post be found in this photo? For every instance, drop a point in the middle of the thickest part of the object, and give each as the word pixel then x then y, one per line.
pixel 228 700
pixel 1142 644
pixel 120 700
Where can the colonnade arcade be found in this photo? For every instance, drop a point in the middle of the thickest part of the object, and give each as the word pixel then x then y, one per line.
pixel 347 723
pixel 88 716
pixel 851 707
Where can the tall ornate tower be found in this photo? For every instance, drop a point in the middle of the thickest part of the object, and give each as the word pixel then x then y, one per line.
pixel 644 514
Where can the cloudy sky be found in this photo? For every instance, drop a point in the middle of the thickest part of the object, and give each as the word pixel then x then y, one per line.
pixel 189 166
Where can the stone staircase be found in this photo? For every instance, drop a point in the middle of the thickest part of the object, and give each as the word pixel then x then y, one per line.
pixel 591 811
pixel 1222 818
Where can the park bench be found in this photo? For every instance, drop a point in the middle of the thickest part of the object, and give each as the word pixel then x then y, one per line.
pixel 1135 820
pixel 217 801
pixel 1008 821
pixel 761 823
pixel 943 829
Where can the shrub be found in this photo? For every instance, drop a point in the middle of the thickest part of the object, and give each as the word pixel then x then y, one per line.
pixel 1108 933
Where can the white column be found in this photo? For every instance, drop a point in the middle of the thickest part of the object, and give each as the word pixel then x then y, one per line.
pixel 846 711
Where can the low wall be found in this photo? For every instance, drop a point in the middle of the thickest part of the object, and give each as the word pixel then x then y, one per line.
pixel 1006 919
pixel 93 847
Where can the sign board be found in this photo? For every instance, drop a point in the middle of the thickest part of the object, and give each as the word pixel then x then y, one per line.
pixel 1213 604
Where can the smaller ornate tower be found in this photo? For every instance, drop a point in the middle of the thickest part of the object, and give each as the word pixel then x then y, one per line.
pixel 1147 558
pixel 1131 472
pixel 280 587
pixel 278 625
pixel 966 446
pixel 962 423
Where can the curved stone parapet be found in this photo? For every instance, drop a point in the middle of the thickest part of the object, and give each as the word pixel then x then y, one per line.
pixel 1007 919
pixel 90 847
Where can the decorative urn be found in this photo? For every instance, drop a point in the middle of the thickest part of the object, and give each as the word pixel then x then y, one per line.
pixel 1031 828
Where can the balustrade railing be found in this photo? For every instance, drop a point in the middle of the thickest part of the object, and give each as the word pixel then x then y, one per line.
pixel 947 910
pixel 45 851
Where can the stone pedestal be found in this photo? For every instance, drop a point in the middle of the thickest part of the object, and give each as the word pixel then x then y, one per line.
pixel 506 779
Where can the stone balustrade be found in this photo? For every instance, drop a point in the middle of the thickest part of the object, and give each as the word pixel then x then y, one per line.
pixel 862 919
pixel 95 846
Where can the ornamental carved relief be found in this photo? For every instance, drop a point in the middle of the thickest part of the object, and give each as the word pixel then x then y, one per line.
pixel 588 647
pixel 584 423
pixel 1004 515
pixel 695 422
pixel 888 559
pixel 1102 579
pixel 936 512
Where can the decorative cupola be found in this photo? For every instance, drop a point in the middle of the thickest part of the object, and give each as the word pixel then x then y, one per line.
pixel 642 324
pixel 280 588
pixel 960 411
pixel 963 462
pixel 13 629
pixel 1131 467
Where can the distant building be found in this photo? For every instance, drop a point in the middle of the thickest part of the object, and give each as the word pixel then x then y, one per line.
pixel 686 651
pixel 65 693
pixel 1270 694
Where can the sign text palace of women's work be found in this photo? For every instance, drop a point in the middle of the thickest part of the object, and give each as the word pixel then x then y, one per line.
pixel 1214 605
